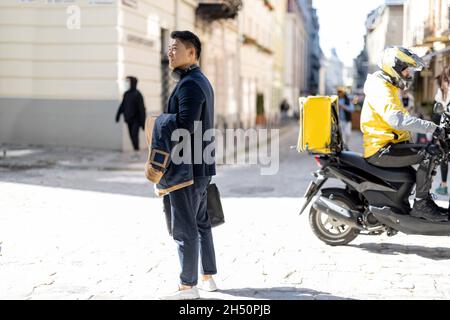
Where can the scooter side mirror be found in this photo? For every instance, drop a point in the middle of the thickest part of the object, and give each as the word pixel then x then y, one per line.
pixel 438 108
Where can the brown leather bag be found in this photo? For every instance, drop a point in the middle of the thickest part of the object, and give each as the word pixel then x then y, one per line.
pixel 152 174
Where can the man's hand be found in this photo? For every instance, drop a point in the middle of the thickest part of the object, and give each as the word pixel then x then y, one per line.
pixel 439 133
pixel 433 149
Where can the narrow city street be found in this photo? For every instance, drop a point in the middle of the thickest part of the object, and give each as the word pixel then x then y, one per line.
pixel 80 224
pixel 91 92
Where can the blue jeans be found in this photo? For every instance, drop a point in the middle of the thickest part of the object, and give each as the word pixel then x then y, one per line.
pixel 191 230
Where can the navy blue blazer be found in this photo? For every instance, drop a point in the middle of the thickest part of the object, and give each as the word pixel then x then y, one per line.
pixel 159 168
pixel 193 100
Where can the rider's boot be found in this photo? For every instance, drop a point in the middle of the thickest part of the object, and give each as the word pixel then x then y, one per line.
pixel 427 209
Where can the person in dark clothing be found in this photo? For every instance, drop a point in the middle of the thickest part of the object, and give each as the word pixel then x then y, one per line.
pixel 442 189
pixel 192 101
pixel 443 97
pixel 284 109
pixel 133 110
pixel 345 116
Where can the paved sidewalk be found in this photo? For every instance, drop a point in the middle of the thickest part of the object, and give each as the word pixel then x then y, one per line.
pixel 68 233
pixel 25 157
pixel 69 244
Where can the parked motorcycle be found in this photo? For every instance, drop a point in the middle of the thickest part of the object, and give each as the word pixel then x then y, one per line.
pixel 374 200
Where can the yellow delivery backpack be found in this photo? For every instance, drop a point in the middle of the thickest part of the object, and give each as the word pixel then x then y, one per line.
pixel 319 125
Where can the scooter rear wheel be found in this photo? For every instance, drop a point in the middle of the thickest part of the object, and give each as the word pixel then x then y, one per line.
pixel 330 230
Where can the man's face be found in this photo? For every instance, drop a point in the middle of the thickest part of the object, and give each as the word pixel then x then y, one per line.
pixel 179 55
pixel 407 73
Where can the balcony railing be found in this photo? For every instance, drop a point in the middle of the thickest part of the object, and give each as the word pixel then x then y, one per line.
pixel 218 9
pixel 432 34
pixel 251 41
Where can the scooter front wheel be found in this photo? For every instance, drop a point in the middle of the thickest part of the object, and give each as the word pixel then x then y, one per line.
pixel 329 230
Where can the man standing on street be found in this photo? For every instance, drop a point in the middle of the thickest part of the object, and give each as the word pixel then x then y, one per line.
pixel 192 101
pixel 133 110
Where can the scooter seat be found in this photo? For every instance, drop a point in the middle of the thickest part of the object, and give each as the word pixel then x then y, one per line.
pixel 406 174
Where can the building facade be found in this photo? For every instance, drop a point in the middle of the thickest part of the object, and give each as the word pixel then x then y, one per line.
pixel 334 76
pixel 296 54
pixel 256 22
pixel 315 52
pixel 384 28
pixel 63 64
pixel 278 31
pixel 427 31
pixel 360 71
pixel 219 30
pixel 63 67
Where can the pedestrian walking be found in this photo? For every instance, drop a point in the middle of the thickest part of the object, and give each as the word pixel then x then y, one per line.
pixel 284 110
pixel 345 116
pixel 133 110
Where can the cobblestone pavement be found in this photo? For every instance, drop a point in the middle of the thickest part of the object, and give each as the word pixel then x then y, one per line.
pixel 88 233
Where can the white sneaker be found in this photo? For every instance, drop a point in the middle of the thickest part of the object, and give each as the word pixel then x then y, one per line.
pixel 208 285
pixel 189 294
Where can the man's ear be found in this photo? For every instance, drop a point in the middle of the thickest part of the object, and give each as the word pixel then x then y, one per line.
pixel 192 53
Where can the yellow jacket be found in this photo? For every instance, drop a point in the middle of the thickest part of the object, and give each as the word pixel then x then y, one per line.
pixel 381 102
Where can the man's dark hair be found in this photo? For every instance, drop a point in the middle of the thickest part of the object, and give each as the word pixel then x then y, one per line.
pixel 189 39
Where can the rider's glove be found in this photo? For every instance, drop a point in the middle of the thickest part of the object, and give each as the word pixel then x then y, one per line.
pixel 439 133
pixel 433 149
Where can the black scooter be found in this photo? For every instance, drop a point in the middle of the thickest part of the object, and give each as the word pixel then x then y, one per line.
pixel 374 201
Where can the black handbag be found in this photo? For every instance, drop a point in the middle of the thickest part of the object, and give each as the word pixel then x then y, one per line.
pixel 214 208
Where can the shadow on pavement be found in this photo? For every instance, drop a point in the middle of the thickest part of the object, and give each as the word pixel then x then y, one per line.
pixel 281 293
pixel 438 253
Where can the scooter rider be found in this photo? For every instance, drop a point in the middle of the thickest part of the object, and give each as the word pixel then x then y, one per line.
pixel 386 126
